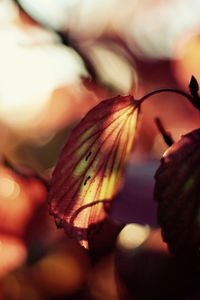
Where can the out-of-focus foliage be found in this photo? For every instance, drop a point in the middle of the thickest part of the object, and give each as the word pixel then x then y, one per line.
pixel 58 59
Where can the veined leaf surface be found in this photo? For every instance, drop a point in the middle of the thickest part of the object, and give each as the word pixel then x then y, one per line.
pixel 91 165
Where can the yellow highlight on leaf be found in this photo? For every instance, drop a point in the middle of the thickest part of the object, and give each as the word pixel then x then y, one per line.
pixel 92 164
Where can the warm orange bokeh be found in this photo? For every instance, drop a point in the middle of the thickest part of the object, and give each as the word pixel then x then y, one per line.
pixel 19 197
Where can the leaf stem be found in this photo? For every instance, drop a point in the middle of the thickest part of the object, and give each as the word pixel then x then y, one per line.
pixel 169 90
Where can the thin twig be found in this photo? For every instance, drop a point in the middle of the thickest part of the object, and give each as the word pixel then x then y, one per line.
pixel 167 137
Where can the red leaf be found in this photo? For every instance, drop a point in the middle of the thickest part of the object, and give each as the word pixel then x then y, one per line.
pixel 91 164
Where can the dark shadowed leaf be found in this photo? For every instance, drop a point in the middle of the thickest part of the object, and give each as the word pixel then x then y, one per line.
pixel 91 164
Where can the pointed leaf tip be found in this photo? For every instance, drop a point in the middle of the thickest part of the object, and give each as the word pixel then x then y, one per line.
pixel 193 86
pixel 91 165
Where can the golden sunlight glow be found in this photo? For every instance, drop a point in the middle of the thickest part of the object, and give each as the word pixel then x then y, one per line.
pixel 9 189
pixel 29 74
pixel 133 235
pixel 187 62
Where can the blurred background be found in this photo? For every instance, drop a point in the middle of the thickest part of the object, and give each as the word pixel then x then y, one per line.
pixel 58 59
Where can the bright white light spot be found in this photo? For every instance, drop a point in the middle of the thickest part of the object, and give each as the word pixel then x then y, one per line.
pixel 9 189
pixel 155 29
pixel 83 18
pixel 133 235
pixel 30 73
pixel 8 11
pixel 47 11
pixel 113 68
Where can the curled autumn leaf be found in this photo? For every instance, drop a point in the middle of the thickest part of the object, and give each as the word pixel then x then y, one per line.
pixel 90 167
